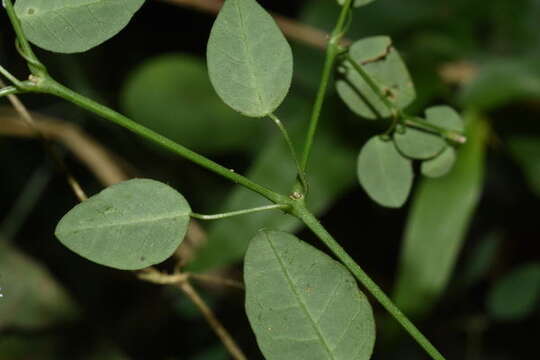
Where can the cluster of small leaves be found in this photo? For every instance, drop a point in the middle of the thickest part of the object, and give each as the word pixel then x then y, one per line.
pixel 385 162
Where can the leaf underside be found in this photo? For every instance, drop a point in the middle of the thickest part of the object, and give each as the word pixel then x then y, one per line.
pixel 71 26
pixel 384 64
pixel 384 173
pixel 250 63
pixel 302 304
pixel 128 226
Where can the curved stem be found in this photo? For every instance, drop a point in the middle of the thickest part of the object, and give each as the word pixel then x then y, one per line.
pixel 421 124
pixel 285 133
pixel 239 212
pixel 49 86
pixel 332 52
pixel 8 90
pixel 9 76
pixel 313 224
pixel 34 64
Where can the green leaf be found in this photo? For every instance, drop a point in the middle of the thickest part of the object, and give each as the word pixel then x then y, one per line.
pixel 384 173
pixel 302 304
pixel 445 117
pixel 71 26
pixel 526 152
pixel 516 295
pixel 356 3
pixel 162 95
pixel 441 165
pixel 249 61
pixel 273 168
pixel 422 145
pixel 384 64
pixel 438 222
pixel 31 297
pixel 128 226
pixel 418 144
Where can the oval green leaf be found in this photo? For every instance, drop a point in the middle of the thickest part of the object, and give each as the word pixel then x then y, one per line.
pixel 418 144
pixel 179 84
pixel 302 304
pixel 516 295
pixel 441 165
pixel 445 117
pixel 357 3
pixel 249 61
pixel 384 64
pixel 423 145
pixel 71 26
pixel 437 224
pixel 128 226
pixel 384 173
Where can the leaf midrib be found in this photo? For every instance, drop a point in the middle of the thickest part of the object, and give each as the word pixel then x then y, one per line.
pixel 299 298
pixel 126 223
pixel 248 55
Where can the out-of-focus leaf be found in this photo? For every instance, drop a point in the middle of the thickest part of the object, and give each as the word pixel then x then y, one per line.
pixel 502 81
pixel 526 151
pixel 384 173
pixel 228 239
pixel 31 297
pixel 441 165
pixel 20 347
pixel 249 61
pixel 515 295
pixel 356 3
pixel 171 94
pixel 382 62
pixel 302 304
pixel 441 212
pixel 70 26
pixel 215 353
pixel 128 226
pixel 481 259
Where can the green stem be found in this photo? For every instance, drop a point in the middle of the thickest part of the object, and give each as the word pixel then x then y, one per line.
pixel 285 133
pixel 34 64
pixel 239 212
pixel 8 90
pixel 9 76
pixel 421 124
pixel 332 53
pixel 313 224
pixel 373 86
pixel 49 86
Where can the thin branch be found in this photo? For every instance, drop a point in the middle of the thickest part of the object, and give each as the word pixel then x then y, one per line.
pixel 212 320
pixel 239 212
pixel 216 280
pixel 27 118
pixel 181 280
pixel 294 30
pixel 101 162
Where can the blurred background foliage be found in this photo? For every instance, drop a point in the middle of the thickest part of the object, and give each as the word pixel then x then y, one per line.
pixel 476 56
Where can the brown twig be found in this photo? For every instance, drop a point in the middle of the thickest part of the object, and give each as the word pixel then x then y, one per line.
pixel 97 158
pixel 294 30
pixel 181 280
pixel 28 120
